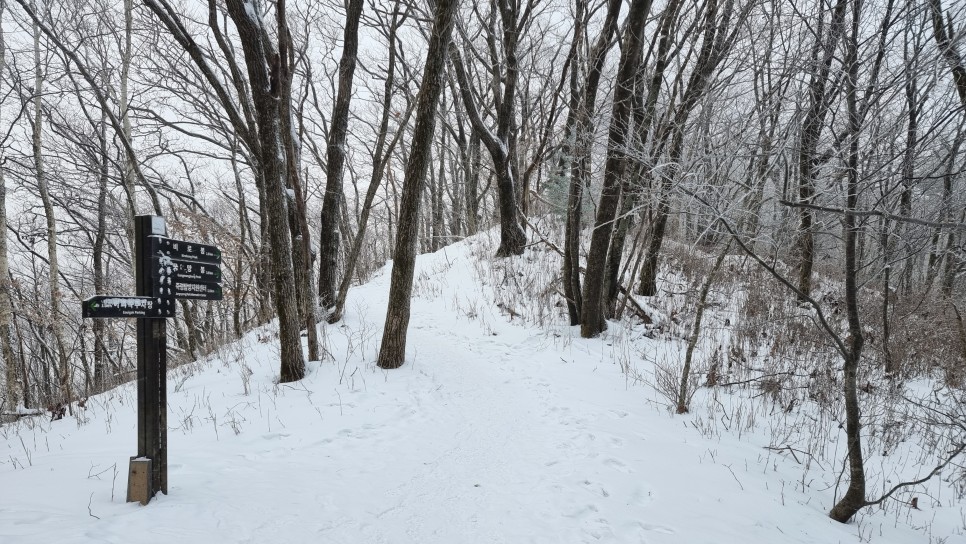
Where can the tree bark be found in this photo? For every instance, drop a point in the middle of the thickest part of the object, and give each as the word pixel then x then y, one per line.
pixel 947 48
pixel 101 372
pixel 265 100
pixel 582 106
pixel 500 143
pixel 719 37
pixel 392 352
pixel 56 321
pixel 127 173
pixel 643 121
pixel 13 383
pixel 380 158
pixel 854 498
pixel 335 161
pixel 808 161
pixel 298 217
pixel 592 321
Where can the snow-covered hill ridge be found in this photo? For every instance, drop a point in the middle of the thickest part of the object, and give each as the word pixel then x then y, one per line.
pixel 495 430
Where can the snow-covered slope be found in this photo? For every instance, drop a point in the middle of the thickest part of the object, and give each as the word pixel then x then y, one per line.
pixel 495 430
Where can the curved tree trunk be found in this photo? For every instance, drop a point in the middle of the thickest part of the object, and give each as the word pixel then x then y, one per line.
pixel 392 352
pixel 501 143
pixel 854 498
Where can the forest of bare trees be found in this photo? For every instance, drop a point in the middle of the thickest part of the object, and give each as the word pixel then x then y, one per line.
pixel 821 141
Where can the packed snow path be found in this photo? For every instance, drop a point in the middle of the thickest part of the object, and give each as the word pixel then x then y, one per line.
pixel 492 432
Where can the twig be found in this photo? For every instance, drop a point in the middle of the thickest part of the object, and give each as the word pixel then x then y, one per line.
pixel 735 476
pixel 91 514
pixel 755 379
pixel 543 239
pixel 922 480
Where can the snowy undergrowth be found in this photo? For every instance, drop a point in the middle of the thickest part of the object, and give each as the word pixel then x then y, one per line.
pixel 764 372
pixel 503 426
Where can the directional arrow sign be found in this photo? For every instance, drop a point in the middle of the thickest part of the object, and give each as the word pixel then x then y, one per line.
pixel 185 251
pixel 185 270
pixel 107 306
pixel 197 291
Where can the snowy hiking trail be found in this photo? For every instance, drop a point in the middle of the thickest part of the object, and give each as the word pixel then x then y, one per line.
pixel 492 432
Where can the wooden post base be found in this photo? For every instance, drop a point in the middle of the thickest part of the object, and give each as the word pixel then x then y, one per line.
pixel 139 485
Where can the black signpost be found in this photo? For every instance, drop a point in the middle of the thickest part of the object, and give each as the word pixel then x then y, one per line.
pixel 165 270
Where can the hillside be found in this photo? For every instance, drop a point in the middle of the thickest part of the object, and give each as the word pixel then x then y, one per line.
pixel 497 429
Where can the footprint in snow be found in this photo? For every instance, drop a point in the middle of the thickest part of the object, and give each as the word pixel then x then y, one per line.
pixel 664 530
pixel 619 465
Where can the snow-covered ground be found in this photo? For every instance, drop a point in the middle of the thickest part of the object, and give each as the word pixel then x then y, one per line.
pixel 494 430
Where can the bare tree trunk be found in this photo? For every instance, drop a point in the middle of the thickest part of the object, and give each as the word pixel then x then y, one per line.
pixel 909 171
pixel 582 105
pixel 889 362
pixel 380 158
pixel 239 287
pixel 436 190
pixel 592 321
pixel 392 352
pixel 683 396
pixel 943 32
pixel 56 320
pixel 101 372
pixel 854 498
pixel 720 28
pixel 643 120
pixel 808 161
pixel 14 385
pixel 335 163
pixel 298 215
pixel 501 143
pixel 127 174
pixel 265 100
pixel 472 181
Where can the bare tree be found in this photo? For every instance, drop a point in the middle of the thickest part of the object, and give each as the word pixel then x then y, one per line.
pixel 820 95
pixel 56 322
pixel 392 352
pixel 260 58
pixel 13 383
pixel 500 143
pixel 382 154
pixel 335 163
pixel 583 101
pixel 592 321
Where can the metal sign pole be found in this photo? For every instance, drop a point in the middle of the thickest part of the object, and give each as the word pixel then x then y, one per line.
pixel 152 363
